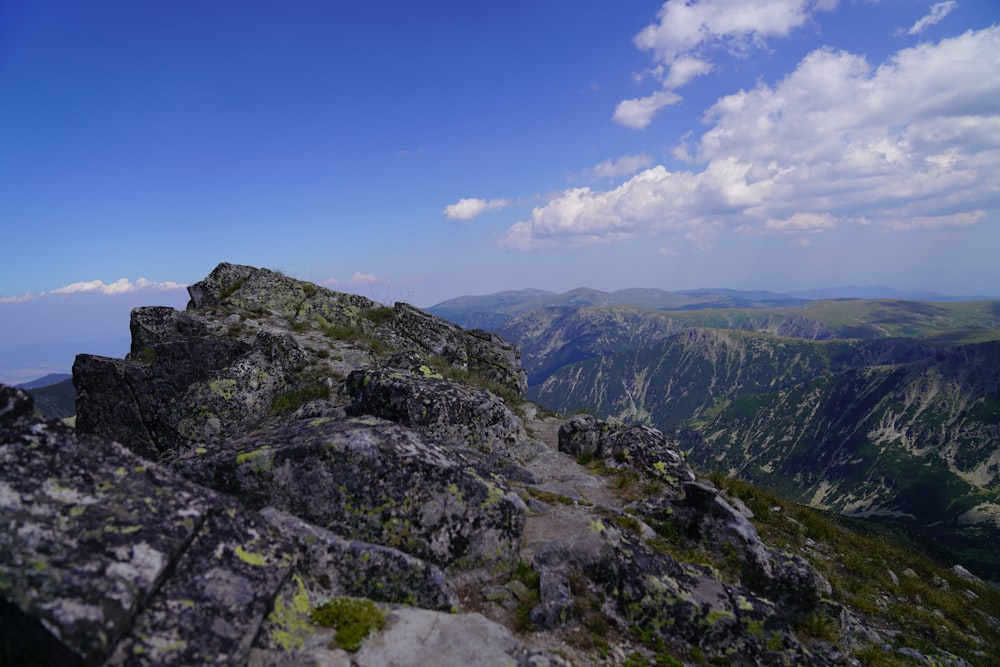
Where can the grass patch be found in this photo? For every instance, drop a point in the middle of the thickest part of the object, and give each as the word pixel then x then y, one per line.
pixel 293 399
pixel 473 378
pixel 379 315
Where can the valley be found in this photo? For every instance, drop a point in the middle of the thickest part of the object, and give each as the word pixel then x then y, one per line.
pixel 886 410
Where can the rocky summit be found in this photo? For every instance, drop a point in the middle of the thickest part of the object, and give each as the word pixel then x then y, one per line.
pixel 286 475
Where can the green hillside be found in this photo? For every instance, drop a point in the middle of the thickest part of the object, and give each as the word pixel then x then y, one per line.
pixel 915 443
pixel 690 376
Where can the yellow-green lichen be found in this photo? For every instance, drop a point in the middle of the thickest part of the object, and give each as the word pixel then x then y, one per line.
pixel 429 372
pixel 224 388
pixel 259 460
pixel 249 557
pixel 290 618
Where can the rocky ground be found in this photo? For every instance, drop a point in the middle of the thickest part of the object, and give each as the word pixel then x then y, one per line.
pixel 284 475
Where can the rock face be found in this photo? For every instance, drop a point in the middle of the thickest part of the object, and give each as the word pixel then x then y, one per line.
pixel 278 450
pixel 370 479
pixel 108 557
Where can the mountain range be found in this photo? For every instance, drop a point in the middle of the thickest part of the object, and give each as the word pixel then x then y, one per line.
pixel 282 474
pixel 882 408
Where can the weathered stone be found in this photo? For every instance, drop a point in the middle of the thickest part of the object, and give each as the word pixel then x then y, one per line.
pixel 211 607
pixel 454 412
pixel 89 531
pixel 580 436
pixel 653 591
pixel 372 480
pixel 642 447
pixel 416 637
pixel 198 377
pixel 328 564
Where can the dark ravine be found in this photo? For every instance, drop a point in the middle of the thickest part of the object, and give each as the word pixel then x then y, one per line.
pixel 278 447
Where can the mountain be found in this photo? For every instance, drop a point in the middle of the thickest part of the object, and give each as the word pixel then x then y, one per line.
pixel 690 375
pixel 914 441
pixel 282 474
pixel 57 400
pixel 685 370
pixel 495 309
pixel 50 379
pixel 881 292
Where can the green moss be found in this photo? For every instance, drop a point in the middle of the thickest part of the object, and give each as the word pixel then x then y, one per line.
pixel 353 618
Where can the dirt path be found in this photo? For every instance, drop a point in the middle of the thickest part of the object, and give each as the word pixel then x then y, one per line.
pixel 568 492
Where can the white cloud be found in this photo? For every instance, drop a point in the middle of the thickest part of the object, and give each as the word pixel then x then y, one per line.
pixel 638 113
pixel 17 299
pixel 469 208
pixel 120 286
pixel 626 164
pixel 915 139
pixel 686 31
pixel 938 12
pixel 362 278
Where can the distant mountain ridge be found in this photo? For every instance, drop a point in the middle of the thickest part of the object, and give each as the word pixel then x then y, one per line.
pixel 768 388
pixel 50 379
pixel 510 303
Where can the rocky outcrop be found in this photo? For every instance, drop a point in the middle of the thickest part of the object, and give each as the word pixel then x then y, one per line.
pixel 652 589
pixel 369 479
pixel 474 417
pixel 252 347
pixel 108 557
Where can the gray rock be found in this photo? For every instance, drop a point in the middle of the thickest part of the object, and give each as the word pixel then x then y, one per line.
pixel 372 480
pixel 454 412
pixel 416 637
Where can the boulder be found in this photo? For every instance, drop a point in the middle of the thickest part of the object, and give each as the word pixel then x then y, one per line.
pixel 474 417
pixel 372 480
pixel 666 599
pixel 642 447
pixel 106 557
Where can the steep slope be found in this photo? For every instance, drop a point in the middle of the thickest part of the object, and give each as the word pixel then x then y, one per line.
pixel 916 442
pixel 694 373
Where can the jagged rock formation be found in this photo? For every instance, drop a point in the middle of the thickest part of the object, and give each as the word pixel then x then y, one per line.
pixel 278 451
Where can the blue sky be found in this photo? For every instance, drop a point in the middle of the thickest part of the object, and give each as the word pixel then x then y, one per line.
pixel 420 151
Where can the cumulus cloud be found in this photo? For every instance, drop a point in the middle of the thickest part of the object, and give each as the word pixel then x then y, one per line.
pixel 362 278
pixel 911 143
pixel 470 207
pixel 938 12
pixel 120 286
pixel 686 32
pixel 626 164
pixel 639 112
